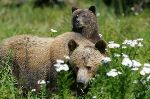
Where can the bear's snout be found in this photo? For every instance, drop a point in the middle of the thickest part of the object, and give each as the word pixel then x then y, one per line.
pixel 79 23
pixel 82 76
pixel 81 81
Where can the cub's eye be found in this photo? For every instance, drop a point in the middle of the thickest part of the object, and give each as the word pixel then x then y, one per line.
pixel 77 15
pixel 84 15
pixel 88 67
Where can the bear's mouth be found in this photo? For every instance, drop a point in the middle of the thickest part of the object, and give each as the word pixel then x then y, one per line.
pixel 81 90
pixel 78 25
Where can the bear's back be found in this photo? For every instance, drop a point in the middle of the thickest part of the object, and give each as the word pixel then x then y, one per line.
pixel 59 46
pixel 30 54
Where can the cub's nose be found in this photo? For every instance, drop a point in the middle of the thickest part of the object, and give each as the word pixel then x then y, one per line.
pixel 77 22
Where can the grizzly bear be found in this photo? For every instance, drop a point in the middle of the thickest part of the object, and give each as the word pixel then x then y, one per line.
pixel 34 57
pixel 84 21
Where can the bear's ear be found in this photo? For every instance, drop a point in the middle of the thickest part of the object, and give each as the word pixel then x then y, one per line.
pixel 101 46
pixel 72 45
pixel 93 9
pixel 73 9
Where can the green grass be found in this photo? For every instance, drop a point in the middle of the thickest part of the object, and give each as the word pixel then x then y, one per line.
pixel 36 21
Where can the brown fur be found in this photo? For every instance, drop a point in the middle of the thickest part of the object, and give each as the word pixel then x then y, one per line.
pixel 30 56
pixel 85 55
pixel 84 21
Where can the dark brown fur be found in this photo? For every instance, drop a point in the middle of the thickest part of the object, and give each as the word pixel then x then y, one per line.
pixel 84 22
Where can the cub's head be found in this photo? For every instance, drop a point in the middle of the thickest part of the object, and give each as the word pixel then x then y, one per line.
pixel 85 60
pixel 82 18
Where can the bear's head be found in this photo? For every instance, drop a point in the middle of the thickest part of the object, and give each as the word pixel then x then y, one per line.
pixel 85 60
pixel 83 18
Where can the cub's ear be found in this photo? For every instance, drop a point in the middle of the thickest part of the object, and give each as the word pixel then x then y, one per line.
pixel 93 9
pixel 101 46
pixel 73 9
pixel 72 45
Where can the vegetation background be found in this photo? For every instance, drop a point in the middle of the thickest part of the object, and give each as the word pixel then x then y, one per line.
pixel 26 19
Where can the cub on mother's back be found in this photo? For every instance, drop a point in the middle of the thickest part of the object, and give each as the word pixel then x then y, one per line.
pixel 84 22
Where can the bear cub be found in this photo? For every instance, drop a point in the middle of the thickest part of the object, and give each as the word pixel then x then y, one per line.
pixel 84 21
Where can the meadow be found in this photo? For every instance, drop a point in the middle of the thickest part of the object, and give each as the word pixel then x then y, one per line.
pixel 125 74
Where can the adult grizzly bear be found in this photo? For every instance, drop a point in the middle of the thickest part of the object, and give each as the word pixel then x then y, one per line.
pixel 84 21
pixel 34 57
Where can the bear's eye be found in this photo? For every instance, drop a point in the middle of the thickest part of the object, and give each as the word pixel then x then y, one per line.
pixel 88 67
pixel 77 15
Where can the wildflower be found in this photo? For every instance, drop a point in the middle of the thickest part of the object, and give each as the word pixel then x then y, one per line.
pixel 100 35
pixel 92 80
pixel 147 65
pixel 98 14
pixel 132 43
pixel 113 73
pixel 52 30
pixel 112 44
pixel 127 62
pixel 67 57
pixel 61 66
pixel 132 9
pixel 41 82
pixel 131 63
pixel 116 55
pixel 33 90
pixel 135 81
pixel 124 55
pixel 135 63
pixel 148 78
pixel 126 42
pixel 140 39
pixel 106 60
pixel 59 61
pixel 145 70
pixel 140 44
pixel 65 67
pixel 135 69
pixel 124 47
pixel 97 75
pixel 48 82
pixel 143 81
pixel 136 13
pixel 94 97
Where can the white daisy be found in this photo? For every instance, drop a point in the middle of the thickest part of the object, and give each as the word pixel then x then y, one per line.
pixel 52 30
pixel 41 82
pixel 106 60
pixel 113 73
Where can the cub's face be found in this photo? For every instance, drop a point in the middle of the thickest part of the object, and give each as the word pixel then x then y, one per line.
pixel 85 61
pixel 83 17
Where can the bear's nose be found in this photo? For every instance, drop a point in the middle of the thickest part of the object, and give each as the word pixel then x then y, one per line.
pixel 81 82
pixel 77 21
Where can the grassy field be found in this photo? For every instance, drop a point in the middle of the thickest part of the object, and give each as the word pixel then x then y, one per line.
pixel 126 84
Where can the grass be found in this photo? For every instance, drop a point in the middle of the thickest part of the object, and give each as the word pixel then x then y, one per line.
pixel 26 20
